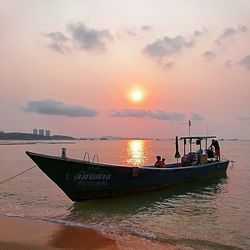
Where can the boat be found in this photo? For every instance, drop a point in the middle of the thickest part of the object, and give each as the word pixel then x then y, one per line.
pixel 83 180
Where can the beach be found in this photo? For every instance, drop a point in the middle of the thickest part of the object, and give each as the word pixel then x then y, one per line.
pixel 23 233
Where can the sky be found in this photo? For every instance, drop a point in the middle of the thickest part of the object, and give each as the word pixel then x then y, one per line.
pixel 130 68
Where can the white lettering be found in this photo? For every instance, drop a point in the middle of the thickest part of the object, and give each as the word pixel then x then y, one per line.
pixel 84 177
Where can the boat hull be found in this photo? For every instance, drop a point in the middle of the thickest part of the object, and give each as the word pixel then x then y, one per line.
pixel 81 180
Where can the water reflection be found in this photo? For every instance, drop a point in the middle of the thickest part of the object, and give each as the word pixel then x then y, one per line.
pixel 202 191
pixel 165 212
pixel 79 238
pixel 136 152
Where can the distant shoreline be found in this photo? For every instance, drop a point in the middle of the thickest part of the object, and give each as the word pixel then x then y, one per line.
pixel 17 136
pixel 31 143
pixel 29 136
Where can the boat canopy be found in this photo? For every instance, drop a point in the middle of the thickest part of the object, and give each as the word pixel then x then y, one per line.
pixel 197 137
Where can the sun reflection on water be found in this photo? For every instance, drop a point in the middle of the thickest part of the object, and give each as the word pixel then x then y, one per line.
pixel 136 152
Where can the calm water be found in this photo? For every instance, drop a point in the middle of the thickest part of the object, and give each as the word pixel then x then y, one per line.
pixel 208 214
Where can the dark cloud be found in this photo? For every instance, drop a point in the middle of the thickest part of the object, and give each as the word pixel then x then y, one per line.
pixel 196 117
pixel 226 38
pixel 142 113
pixel 245 62
pixel 244 117
pixel 89 39
pixel 199 33
pixel 52 107
pixel 164 50
pixel 167 46
pixel 58 42
pixel 85 38
pixel 209 55
pixel 146 28
pixel 230 33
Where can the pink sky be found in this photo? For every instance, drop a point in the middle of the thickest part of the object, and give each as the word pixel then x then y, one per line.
pixel 68 66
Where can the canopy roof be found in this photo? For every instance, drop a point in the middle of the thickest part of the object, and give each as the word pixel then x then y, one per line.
pixel 198 137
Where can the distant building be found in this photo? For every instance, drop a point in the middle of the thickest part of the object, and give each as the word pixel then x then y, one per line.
pixel 41 132
pixel 35 131
pixel 47 132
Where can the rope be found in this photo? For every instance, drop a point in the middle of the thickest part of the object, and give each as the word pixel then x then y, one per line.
pixel 17 175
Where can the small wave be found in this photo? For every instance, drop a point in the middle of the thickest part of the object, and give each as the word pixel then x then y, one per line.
pixel 13 215
pixel 65 222
pixel 97 227
pixel 142 233
pixel 53 220
pixel 183 242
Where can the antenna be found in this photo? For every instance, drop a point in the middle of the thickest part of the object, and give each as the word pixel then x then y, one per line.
pixel 189 126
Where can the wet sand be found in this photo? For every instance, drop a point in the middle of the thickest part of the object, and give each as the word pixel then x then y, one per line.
pixel 22 233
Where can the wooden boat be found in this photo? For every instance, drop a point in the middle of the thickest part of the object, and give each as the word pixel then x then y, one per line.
pixel 82 180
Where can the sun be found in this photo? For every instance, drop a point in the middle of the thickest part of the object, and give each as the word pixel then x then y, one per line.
pixel 136 95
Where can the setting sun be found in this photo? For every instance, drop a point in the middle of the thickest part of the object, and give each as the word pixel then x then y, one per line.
pixel 136 95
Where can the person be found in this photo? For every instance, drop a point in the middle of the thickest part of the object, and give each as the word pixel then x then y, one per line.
pixel 184 161
pixel 216 146
pixel 199 151
pixel 158 161
pixel 162 163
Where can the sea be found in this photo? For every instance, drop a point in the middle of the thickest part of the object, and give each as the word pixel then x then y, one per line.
pixel 212 213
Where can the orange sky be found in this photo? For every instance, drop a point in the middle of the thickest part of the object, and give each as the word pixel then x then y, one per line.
pixel 69 67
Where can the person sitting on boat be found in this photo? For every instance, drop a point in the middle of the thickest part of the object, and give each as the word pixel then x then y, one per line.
pixel 216 146
pixel 184 160
pixel 162 163
pixel 199 151
pixel 158 161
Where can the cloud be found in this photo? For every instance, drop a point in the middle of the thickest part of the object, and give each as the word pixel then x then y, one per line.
pixel 133 32
pixel 230 33
pixel 209 55
pixel 196 117
pixel 146 28
pixel 244 117
pixel 228 63
pixel 169 65
pixel 226 37
pixel 89 39
pixel 199 33
pixel 58 41
pixel 53 107
pixel 167 46
pixel 164 49
pixel 245 62
pixel 142 113
pixel 125 33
